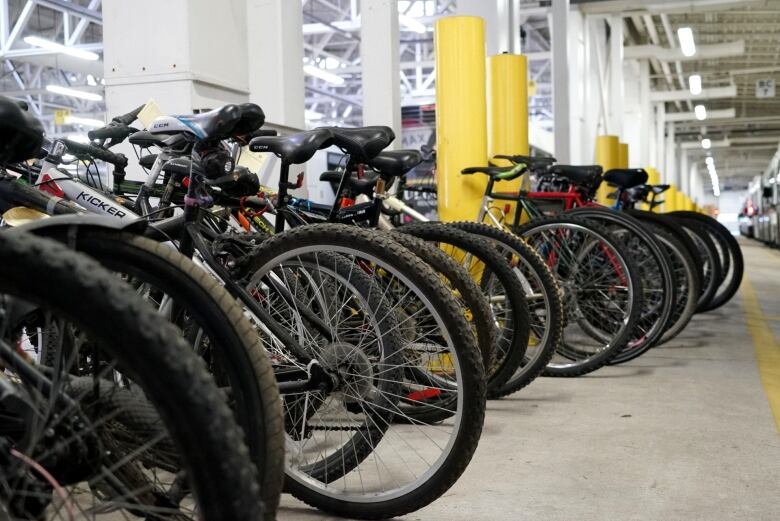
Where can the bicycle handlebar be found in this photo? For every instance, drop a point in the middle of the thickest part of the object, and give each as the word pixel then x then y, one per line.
pixel 114 132
pixel 118 160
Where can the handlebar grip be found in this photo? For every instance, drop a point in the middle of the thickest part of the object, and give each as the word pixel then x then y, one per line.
pixel 118 160
pixel 118 132
pixel 14 193
pixel 128 118
pixel 256 202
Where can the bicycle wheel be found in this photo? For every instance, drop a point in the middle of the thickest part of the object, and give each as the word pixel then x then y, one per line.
pixel 685 269
pixel 658 289
pixel 601 291
pixel 544 303
pixel 347 452
pixel 215 326
pixel 708 253
pixel 500 285
pixel 122 421
pixel 736 264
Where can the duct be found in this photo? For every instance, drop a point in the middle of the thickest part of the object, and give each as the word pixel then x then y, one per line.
pixel 703 52
pixel 729 91
pixel 711 114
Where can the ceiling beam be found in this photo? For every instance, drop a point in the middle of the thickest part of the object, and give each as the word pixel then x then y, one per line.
pixel 711 114
pixel 73 8
pixel 703 52
pixel 729 91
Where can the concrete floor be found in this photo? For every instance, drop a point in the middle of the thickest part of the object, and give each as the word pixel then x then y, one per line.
pixel 683 433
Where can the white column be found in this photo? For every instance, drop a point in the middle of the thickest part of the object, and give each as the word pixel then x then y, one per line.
pixel 379 48
pixel 196 62
pixel 671 175
pixel 632 112
pixel 646 116
pixel 275 46
pixel 560 80
pixel 615 99
pixel 581 142
pixel 495 14
pixel 684 173
pixel 660 139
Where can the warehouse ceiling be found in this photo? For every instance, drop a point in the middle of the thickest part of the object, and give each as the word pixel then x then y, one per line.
pixel 332 41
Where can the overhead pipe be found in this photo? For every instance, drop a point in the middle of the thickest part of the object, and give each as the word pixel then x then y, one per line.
pixel 669 54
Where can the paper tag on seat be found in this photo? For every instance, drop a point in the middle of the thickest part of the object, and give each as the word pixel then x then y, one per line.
pixel 149 113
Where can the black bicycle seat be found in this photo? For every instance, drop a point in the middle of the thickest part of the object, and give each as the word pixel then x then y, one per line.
pixel 395 163
pixel 531 162
pixel 362 143
pixel 148 161
pixel 492 171
pixel 357 186
pixel 626 177
pixel 21 135
pixel 580 175
pixel 659 189
pixel 252 118
pixel 215 124
pixel 146 139
pixel 241 182
pixel 293 149
pixel 638 193
pixel 181 166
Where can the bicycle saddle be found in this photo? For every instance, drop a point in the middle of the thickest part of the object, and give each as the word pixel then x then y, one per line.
pixel 493 171
pixel 295 148
pixel 638 193
pixel 215 124
pixel 395 163
pixel 532 162
pixel 578 174
pixel 241 182
pixel 357 186
pixel 626 177
pixel 659 189
pixel 181 166
pixel 148 161
pixel 21 135
pixel 362 143
pixel 146 139
pixel 252 118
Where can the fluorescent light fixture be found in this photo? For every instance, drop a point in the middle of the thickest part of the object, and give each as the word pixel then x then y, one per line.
pixel 65 91
pixel 58 47
pixel 412 24
pixel 78 138
pixel 694 82
pixel 312 115
pixel 87 122
pixel 322 74
pixel 687 45
pixel 700 111
pixel 710 161
pixel 706 144
pixel 91 80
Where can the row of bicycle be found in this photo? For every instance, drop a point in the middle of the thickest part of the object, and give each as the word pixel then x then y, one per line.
pixel 381 345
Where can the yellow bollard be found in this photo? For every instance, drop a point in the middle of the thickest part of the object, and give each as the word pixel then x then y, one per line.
pixel 608 156
pixel 623 155
pixel 461 115
pixel 680 202
pixel 508 113
pixel 670 199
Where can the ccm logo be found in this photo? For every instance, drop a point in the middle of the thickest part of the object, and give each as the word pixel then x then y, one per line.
pixel 160 125
pixel 100 204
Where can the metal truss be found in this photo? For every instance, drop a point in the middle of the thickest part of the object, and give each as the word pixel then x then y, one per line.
pixel 25 70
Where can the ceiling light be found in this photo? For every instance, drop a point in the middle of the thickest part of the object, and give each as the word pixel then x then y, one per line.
pixel 312 115
pixel 694 82
pixel 87 122
pixel 91 81
pixel 700 111
pixel 57 47
pixel 65 91
pixel 322 74
pixel 706 143
pixel 688 46
pixel 710 161
pixel 412 24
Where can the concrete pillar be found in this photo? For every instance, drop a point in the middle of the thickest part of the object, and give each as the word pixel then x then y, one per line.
pixel 632 111
pixel 660 139
pixel 496 14
pixel 671 175
pixel 379 48
pixel 580 138
pixel 615 98
pixel 646 119
pixel 685 173
pixel 197 61
pixel 560 80
pixel 275 46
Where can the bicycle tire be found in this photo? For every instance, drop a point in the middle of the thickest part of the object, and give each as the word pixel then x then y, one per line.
pixel 548 291
pixel 344 240
pixel 737 262
pixel 708 252
pixel 251 378
pixel 153 354
pixel 497 268
pixel 627 269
